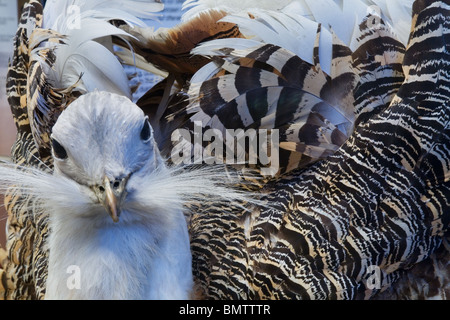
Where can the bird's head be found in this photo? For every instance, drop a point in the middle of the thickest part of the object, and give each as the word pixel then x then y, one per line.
pixel 102 141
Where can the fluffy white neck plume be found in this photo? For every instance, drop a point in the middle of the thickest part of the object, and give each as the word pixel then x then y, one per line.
pixel 117 227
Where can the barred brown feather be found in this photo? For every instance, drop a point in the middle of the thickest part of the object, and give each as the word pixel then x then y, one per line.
pixel 24 268
pixel 376 203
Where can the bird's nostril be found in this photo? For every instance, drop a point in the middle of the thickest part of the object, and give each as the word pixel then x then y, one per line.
pixel 101 189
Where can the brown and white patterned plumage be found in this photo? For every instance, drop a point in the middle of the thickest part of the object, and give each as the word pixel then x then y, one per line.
pixel 357 211
pixel 21 275
pixel 301 80
pixel 380 203
pixel 377 206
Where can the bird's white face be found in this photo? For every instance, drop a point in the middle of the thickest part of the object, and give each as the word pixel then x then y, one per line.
pixel 104 142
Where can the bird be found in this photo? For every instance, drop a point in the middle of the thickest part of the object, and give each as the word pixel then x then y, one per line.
pixel 102 189
pixel 127 241
pixel 90 191
pixel 358 220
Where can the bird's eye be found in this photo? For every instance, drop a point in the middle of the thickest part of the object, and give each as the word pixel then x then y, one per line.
pixel 146 131
pixel 58 150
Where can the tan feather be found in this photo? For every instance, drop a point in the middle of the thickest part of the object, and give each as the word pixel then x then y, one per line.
pixel 170 49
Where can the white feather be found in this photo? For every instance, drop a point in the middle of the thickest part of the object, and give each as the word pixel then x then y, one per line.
pixel 231 6
pixel 212 48
pixel 57 12
pixel 270 27
pixel 100 69
pixel 203 74
pixel 339 15
pixel 85 25
pixel 43 186
pixel 399 17
pixel 292 32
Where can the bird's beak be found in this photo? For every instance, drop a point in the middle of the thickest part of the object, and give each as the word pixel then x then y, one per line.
pixel 110 201
pixel 111 194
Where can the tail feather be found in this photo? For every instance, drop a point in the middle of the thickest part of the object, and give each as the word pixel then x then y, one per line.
pixel 268 87
pixel 169 49
pixel 61 15
pixel 83 23
pixel 290 31
pixel 310 97
pixel 341 16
